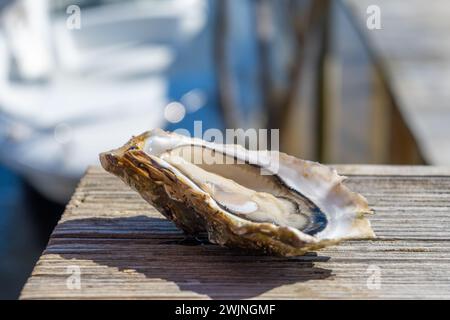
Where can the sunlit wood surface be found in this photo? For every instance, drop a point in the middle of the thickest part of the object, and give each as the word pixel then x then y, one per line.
pixel 413 47
pixel 124 249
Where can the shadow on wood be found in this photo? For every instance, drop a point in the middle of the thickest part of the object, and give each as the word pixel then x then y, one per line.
pixel 153 247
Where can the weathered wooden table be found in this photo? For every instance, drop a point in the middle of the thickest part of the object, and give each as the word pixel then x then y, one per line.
pixel 111 244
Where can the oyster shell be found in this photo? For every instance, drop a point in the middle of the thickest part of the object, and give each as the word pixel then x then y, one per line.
pixel 236 195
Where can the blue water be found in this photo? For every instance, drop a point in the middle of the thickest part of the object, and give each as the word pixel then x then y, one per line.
pixel 196 69
pixel 25 224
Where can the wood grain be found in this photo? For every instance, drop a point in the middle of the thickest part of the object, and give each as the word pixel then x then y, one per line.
pixel 127 250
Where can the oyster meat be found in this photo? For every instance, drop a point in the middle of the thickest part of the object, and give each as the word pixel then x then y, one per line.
pixel 261 200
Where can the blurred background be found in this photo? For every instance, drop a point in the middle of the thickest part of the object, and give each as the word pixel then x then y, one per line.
pixel 345 81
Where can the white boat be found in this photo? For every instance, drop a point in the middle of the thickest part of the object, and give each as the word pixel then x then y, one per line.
pixel 67 94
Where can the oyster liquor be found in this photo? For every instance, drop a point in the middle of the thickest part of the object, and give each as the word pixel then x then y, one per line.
pixel 232 310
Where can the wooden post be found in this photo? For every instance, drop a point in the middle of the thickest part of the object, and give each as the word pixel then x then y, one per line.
pixel 322 107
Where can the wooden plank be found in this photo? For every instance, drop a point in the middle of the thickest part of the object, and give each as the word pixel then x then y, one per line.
pixel 124 249
pixel 391 170
pixel 413 49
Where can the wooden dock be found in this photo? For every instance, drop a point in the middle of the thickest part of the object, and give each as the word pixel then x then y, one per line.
pixel 413 52
pixel 110 244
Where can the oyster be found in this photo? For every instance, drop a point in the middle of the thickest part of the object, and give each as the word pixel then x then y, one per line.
pixel 237 196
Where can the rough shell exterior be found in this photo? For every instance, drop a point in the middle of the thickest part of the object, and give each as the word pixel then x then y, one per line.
pixel 196 212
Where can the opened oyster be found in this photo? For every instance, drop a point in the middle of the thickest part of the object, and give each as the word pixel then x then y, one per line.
pixel 239 197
